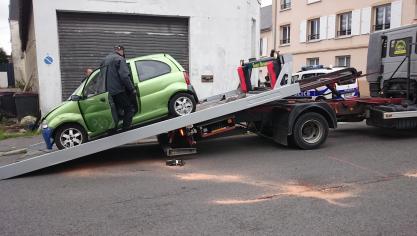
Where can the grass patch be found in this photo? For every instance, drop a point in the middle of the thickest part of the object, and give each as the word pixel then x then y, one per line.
pixel 7 135
pixel 11 128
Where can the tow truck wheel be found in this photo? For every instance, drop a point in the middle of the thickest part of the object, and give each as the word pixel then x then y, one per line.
pixel 310 131
pixel 70 135
pixel 182 104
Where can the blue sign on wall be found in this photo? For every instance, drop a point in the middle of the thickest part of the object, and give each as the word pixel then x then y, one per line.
pixel 48 60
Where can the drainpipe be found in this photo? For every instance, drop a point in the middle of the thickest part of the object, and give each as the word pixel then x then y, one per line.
pixel 274 24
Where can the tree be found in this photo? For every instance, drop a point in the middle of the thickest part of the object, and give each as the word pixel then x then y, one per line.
pixel 3 56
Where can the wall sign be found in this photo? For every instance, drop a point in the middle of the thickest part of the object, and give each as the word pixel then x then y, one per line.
pixel 48 60
pixel 400 47
pixel 207 78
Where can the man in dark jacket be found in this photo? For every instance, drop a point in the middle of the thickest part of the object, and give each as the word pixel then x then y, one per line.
pixel 119 85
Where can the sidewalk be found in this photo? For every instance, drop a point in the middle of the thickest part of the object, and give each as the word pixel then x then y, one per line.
pixel 16 149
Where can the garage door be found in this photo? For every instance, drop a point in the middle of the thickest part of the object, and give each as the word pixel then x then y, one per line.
pixel 86 38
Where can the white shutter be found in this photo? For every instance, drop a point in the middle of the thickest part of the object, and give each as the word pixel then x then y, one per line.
pixel 264 46
pixel 331 26
pixel 396 8
pixel 323 27
pixel 303 31
pixel 356 22
pixel 366 20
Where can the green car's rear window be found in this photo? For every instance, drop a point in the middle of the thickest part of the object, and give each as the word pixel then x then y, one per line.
pixel 150 69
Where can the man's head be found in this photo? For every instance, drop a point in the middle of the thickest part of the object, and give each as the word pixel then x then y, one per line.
pixel 119 49
pixel 88 72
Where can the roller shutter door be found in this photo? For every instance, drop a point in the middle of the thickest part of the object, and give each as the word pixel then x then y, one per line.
pixel 86 38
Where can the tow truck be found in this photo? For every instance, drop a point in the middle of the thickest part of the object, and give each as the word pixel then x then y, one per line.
pixel 272 109
pixel 260 109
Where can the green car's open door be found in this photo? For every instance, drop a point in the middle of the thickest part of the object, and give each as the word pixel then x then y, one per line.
pixel 95 104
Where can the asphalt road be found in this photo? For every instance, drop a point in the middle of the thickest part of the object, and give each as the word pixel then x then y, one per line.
pixel 363 181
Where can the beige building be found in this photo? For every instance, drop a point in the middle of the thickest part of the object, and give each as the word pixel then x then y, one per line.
pixel 335 32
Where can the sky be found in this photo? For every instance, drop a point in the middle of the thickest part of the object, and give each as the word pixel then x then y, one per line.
pixel 5 30
pixel 264 2
pixel 4 26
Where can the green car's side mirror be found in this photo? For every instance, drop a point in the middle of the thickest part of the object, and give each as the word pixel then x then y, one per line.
pixel 75 98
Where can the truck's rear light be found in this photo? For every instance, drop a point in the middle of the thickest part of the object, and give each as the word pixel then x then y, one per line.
pixel 187 78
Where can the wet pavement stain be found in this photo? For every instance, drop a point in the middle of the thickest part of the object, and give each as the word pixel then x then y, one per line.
pixel 332 194
pixel 412 174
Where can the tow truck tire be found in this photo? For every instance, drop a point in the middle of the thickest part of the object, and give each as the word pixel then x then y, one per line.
pixel 182 104
pixel 70 135
pixel 310 131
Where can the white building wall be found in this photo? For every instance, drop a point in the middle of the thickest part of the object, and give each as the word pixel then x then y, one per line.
pixel 17 54
pixel 220 36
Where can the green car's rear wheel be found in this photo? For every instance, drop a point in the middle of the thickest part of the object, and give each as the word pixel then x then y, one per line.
pixel 70 135
pixel 182 104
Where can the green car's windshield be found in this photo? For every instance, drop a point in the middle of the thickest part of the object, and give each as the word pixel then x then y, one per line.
pixel 78 90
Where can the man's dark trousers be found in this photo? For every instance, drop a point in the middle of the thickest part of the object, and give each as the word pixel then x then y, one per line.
pixel 122 102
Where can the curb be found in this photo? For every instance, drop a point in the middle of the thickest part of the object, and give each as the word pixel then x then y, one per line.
pixel 14 152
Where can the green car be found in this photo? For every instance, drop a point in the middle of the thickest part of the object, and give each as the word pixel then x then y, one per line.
pixel 163 90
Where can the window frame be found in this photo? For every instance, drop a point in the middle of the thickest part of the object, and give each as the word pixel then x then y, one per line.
pixel 285 4
pixel 313 58
pixel 285 40
pixel 150 78
pixel 312 36
pixel 384 25
pixel 344 57
pixel 348 31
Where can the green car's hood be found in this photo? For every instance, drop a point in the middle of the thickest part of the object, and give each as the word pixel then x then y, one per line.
pixel 57 110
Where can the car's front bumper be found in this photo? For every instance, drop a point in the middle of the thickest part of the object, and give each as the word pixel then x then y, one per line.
pixel 47 137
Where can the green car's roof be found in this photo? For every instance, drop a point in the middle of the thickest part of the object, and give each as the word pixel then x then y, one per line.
pixel 157 57
pixel 153 56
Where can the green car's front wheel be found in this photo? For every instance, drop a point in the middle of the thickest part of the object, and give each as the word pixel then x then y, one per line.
pixel 182 104
pixel 70 135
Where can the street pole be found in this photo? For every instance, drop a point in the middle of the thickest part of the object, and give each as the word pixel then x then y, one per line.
pixel 274 24
pixel 409 70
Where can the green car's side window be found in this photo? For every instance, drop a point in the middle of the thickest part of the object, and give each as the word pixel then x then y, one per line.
pixel 150 69
pixel 96 84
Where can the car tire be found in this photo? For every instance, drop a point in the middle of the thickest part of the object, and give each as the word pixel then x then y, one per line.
pixel 310 131
pixel 70 135
pixel 182 104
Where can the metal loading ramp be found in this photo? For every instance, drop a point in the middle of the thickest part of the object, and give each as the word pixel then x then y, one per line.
pixel 58 157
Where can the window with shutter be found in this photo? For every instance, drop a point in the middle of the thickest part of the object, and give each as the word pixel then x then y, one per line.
pixel 285 34
pixel 314 29
pixel 345 24
pixel 382 17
